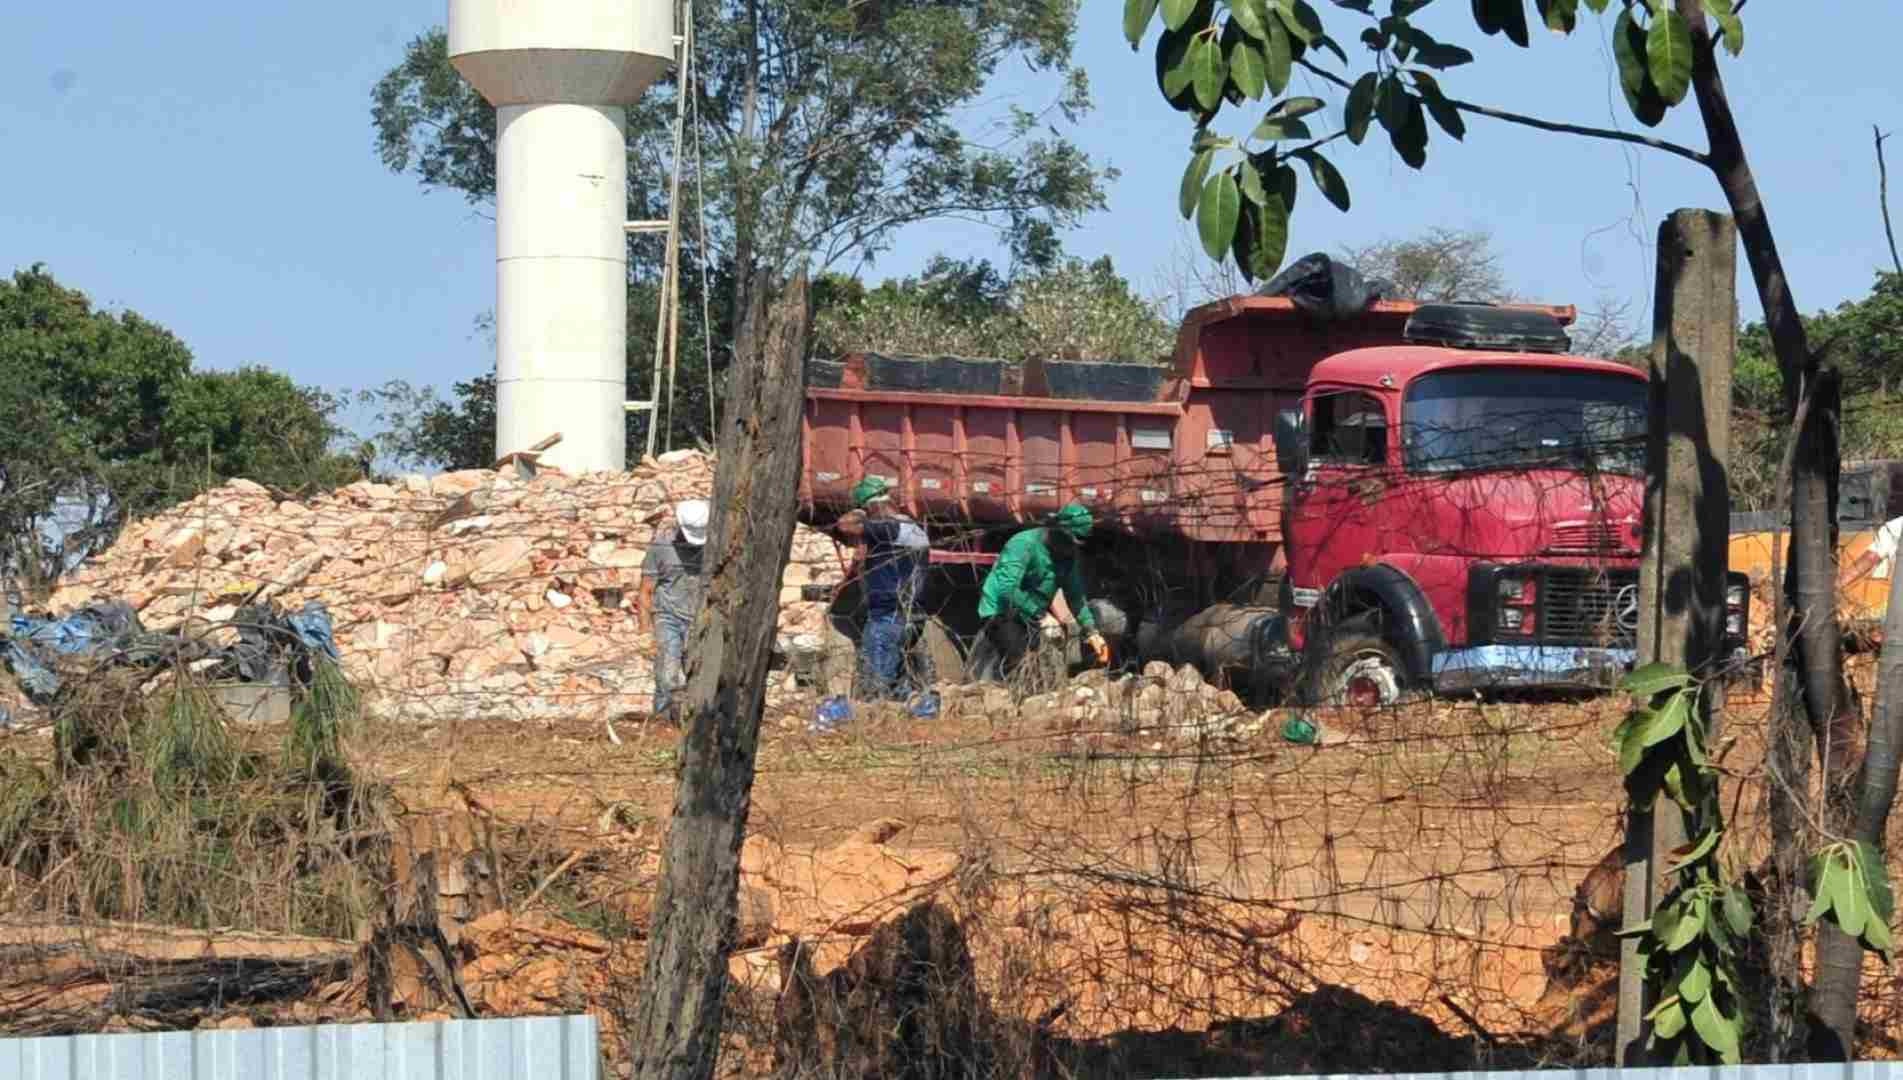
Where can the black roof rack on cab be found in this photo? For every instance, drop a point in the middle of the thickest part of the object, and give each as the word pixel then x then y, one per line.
pixel 1486 326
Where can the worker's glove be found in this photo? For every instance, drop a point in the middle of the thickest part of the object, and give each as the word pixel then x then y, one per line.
pixel 1099 647
pixel 1052 629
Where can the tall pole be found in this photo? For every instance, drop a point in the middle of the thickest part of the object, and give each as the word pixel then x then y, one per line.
pixel 1682 575
pixel 670 274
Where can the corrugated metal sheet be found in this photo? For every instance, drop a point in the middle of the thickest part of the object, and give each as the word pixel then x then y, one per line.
pixel 539 1048
pixel 1859 1070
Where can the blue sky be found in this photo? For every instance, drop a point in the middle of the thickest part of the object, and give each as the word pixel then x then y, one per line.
pixel 211 166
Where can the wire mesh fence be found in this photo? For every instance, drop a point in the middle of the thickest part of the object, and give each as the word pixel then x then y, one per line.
pixel 1139 869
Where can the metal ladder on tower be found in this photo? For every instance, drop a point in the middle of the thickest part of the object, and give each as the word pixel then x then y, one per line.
pixel 667 323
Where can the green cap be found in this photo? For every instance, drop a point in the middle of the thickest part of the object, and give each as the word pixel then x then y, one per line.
pixel 1074 519
pixel 872 487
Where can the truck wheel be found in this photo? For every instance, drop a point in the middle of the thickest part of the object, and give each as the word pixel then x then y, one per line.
pixel 1361 669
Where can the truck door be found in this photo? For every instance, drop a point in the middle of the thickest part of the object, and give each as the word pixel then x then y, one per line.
pixel 1337 507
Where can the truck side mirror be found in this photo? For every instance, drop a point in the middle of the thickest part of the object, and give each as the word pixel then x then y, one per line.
pixel 1291 442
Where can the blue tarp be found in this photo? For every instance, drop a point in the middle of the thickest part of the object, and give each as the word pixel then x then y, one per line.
pixel 273 647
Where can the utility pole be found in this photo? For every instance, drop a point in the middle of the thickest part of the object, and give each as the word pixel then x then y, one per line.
pixel 1682 576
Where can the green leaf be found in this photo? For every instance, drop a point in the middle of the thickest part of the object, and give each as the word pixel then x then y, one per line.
pixel 1668 55
pixel 1433 53
pixel 1655 678
pixel 1847 900
pixel 1326 42
pixel 1252 15
pixel 1665 921
pixel 1136 19
pixel 1695 983
pixel 1438 106
pixel 1716 1030
pixel 1820 898
pixel 1262 240
pixel 1494 16
pixel 1247 69
pixel 1281 182
pixel 1279 53
pixel 1668 1021
pixel 1632 750
pixel 1390 104
pixel 1366 7
pixel 1177 12
pixel 1297 106
pixel 1302 22
pixel 1738 913
pixel 1411 140
pixel 1327 178
pixel 1560 16
pixel 1172 68
pixel 1654 1012
pixel 1876 880
pixel 1191 191
pixel 1691 923
pixel 1272 129
pixel 1698 851
pixel 1208 71
pixel 1359 110
pixel 1598 6
pixel 1667 721
pixel 1635 79
pixel 1216 214
pixel 1249 184
pixel 1401 9
pixel 1730 26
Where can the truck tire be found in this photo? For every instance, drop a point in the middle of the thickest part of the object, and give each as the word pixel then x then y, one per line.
pixel 1359 668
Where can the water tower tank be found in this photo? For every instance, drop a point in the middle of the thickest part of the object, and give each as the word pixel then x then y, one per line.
pixel 560 74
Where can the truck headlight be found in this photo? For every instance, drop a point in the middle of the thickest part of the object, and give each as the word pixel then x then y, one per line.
pixel 1734 623
pixel 1734 596
pixel 1515 590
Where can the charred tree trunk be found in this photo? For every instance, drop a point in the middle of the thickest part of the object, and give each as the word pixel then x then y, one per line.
pixel 1814 686
pixel 676 1030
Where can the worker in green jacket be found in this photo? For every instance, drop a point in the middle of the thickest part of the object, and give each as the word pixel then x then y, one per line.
pixel 1017 594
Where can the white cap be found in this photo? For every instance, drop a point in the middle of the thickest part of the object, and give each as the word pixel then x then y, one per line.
pixel 691 516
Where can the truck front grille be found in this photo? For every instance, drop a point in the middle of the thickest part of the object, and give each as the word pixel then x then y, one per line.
pixel 1588 606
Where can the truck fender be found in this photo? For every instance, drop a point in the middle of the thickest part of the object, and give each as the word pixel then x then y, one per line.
pixel 1412 626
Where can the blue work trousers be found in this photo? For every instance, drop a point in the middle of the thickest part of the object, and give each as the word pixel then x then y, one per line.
pixel 670 666
pixel 881 656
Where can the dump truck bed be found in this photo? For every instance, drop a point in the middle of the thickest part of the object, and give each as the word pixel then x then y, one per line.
pixel 1184 446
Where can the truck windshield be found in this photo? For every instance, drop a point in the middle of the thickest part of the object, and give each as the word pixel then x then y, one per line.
pixel 1516 418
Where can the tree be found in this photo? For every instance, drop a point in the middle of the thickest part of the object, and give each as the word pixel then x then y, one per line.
pixel 1070 310
pixel 1440 266
pixel 819 129
pixel 1666 51
pixel 102 419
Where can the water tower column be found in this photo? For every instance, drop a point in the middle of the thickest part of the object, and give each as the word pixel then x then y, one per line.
pixel 562 281
pixel 560 74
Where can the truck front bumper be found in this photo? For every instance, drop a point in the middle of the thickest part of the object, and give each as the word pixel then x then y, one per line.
pixel 1504 667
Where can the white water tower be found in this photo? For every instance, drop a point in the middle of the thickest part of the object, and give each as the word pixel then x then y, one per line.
pixel 561 74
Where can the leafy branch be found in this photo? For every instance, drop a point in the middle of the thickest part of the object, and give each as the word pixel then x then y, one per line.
pixel 1690 945
pixel 1213 53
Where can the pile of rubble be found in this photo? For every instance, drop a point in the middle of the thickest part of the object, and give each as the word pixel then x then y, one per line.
pixel 464 594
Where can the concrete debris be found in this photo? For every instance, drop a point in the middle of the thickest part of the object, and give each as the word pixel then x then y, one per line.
pixel 468 593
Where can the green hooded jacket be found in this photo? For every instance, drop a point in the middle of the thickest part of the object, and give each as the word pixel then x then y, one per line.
pixel 1025 578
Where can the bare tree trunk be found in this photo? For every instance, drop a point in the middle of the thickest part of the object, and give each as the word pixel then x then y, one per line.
pixel 676 1031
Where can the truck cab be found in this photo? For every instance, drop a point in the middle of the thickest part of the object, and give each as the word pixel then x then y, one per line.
pixel 1465 519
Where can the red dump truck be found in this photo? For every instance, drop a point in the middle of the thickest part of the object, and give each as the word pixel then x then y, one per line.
pixel 1410 497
